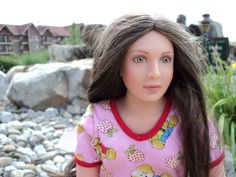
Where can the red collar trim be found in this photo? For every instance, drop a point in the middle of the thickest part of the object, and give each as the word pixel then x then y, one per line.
pixel 145 136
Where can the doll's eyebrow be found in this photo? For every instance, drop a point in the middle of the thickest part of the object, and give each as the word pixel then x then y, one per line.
pixel 142 51
pixel 168 53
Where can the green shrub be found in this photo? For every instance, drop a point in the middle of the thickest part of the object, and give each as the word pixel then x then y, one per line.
pixel 34 58
pixel 6 64
pixel 220 87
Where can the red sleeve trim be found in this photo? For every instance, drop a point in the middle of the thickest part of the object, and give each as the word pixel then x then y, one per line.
pixel 85 164
pixel 217 161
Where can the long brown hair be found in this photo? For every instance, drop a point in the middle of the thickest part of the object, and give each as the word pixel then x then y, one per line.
pixel 185 89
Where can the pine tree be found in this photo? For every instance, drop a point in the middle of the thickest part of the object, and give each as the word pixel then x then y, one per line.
pixel 74 35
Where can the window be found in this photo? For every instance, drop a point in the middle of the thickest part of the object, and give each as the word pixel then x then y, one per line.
pixel 35 38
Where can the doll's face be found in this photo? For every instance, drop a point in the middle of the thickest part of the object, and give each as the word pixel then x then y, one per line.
pixel 148 67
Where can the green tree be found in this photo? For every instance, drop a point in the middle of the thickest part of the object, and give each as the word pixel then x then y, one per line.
pixel 74 35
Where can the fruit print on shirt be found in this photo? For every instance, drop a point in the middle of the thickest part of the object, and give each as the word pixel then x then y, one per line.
pixel 174 161
pixel 214 141
pixel 106 105
pixel 106 127
pixel 134 155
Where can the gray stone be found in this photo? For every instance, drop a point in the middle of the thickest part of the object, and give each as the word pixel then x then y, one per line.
pixel 5 140
pixel 5 161
pixel 15 125
pixel 3 128
pixel 51 112
pixel 17 173
pixel 3 85
pixel 29 173
pixel 6 117
pixel 8 170
pixel 40 150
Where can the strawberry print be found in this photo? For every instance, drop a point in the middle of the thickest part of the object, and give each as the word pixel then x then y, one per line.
pixel 134 155
pixel 214 141
pixel 174 161
pixel 105 105
pixel 106 127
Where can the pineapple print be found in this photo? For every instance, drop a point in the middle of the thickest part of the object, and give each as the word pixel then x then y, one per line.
pixel 134 155
pixel 105 105
pixel 174 161
pixel 106 127
pixel 214 141
pixel 80 128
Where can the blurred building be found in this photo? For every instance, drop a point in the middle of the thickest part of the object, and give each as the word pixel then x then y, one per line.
pixel 29 38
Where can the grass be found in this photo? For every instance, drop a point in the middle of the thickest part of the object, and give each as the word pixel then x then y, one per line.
pixel 33 58
pixel 6 62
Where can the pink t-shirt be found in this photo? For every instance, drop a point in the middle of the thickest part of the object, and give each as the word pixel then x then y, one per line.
pixel 104 139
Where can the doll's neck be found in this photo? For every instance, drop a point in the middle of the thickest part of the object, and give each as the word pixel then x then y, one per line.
pixel 137 108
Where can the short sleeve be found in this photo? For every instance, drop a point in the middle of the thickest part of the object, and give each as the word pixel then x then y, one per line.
pixel 216 148
pixel 85 154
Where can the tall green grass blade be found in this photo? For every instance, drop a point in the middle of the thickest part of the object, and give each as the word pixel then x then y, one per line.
pixel 221 123
pixel 226 132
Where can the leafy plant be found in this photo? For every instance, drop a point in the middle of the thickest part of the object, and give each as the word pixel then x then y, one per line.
pixel 6 64
pixel 220 87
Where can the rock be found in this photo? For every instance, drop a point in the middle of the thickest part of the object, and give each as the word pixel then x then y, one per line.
pixel 8 148
pixel 14 70
pixel 5 161
pixel 66 53
pixel 50 85
pixel 17 173
pixel 3 85
pixel 6 117
pixel 29 142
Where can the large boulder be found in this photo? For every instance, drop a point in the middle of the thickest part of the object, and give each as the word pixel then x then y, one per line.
pixel 50 85
pixel 3 85
pixel 66 53
pixel 16 69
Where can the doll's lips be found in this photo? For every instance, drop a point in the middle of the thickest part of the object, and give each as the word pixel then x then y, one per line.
pixel 152 87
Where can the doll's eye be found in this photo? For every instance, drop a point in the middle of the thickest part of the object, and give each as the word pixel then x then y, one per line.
pixel 139 59
pixel 166 59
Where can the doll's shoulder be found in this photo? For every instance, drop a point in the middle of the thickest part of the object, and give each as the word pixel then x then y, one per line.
pixel 95 111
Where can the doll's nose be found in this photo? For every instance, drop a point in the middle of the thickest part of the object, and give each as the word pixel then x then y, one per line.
pixel 154 70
